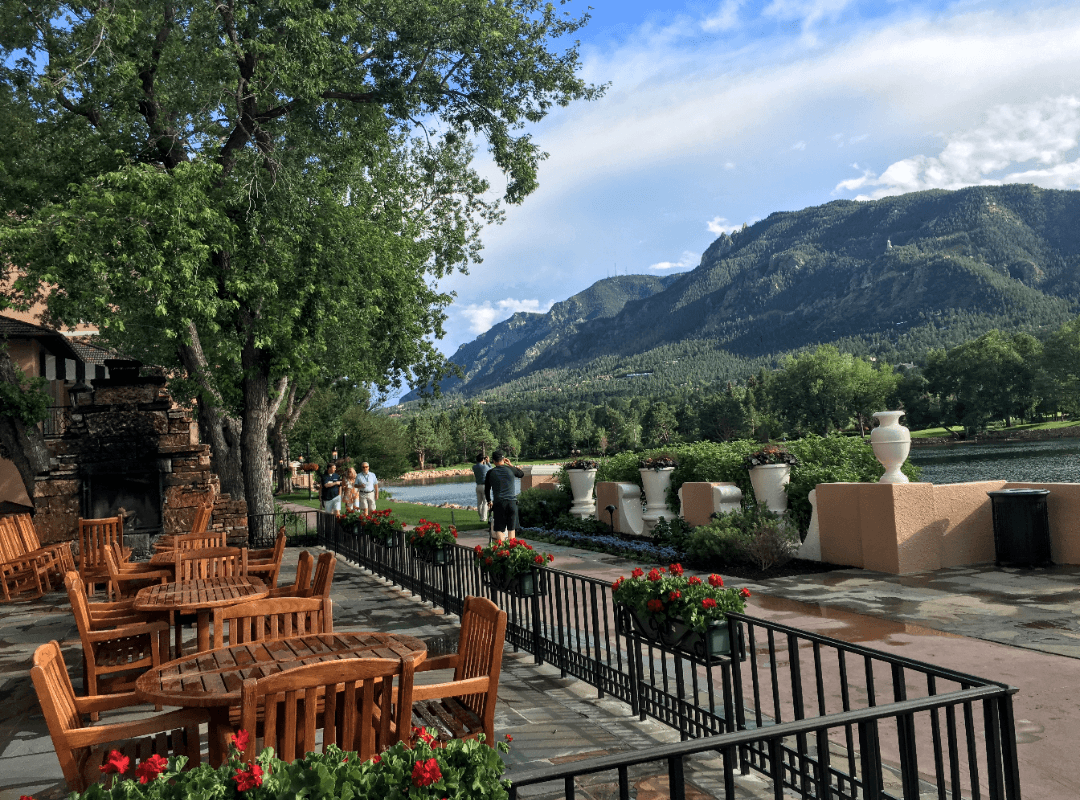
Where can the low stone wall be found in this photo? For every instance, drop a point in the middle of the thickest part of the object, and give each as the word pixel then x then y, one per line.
pixel 914 527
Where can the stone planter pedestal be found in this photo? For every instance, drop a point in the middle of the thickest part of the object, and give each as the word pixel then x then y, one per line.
pixel 770 485
pixel 581 484
pixel 657 482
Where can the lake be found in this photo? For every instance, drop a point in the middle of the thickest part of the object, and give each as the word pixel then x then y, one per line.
pixel 1054 461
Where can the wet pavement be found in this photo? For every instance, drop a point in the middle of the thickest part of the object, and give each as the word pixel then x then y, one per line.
pixel 1015 626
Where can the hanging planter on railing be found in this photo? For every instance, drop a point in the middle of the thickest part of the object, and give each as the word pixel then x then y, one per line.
pixel 677 612
pixel 381 527
pixel 508 566
pixel 431 543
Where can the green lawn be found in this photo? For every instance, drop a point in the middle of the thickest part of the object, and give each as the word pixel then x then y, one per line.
pixel 934 432
pixel 409 513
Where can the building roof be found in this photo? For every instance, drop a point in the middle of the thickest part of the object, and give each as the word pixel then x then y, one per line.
pixel 53 341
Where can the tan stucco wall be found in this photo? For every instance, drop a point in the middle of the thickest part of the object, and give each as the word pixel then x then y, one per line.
pixel 697 501
pixel 914 527
pixel 12 489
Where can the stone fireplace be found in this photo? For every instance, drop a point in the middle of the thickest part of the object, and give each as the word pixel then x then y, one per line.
pixel 129 449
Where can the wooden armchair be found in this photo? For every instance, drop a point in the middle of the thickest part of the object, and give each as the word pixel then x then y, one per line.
pixel 83 749
pixel 126 578
pixel 324 575
pixel 265 564
pixel 350 700
pixel 301 586
pixel 19 573
pixel 199 524
pixel 465 706
pixel 58 556
pixel 95 535
pixel 211 562
pixel 272 619
pixel 119 643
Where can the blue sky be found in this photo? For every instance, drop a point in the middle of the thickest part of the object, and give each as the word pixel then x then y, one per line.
pixel 720 112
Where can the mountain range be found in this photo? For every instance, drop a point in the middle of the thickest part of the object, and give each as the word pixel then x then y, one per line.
pixel 889 278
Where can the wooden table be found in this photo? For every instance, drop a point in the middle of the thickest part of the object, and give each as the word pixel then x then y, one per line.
pixel 213 679
pixel 199 597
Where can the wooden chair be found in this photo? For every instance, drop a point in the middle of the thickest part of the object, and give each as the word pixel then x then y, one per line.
pixel 199 524
pixel 202 519
pixel 265 564
pixel 324 575
pixel 82 749
pixel 301 586
pixel 58 556
pixel 19 573
pixel 118 645
pixel 211 562
pixel 95 535
pixel 272 619
pixel 126 578
pixel 350 700
pixel 465 706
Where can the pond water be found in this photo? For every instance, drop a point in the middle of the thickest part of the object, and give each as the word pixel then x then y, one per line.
pixel 437 491
pixel 1055 461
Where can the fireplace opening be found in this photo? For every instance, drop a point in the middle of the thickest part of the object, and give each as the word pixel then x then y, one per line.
pixel 137 493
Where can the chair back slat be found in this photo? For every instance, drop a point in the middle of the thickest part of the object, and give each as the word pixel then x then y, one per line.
pixel 353 716
pixel 202 519
pixel 301 585
pixel 199 541
pixel 324 575
pixel 272 619
pixel 480 650
pixel 94 536
pixel 211 562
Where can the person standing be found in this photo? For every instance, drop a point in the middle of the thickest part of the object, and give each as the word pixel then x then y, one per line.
pixel 368 485
pixel 500 493
pixel 331 489
pixel 350 495
pixel 480 470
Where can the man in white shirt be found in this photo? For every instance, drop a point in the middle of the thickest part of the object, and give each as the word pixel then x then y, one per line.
pixel 368 485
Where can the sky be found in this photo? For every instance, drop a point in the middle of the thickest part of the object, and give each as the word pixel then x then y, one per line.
pixel 719 113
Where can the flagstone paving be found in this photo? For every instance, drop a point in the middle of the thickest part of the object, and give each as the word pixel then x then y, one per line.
pixel 1016 626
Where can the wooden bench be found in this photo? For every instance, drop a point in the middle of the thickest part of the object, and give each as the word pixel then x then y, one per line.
pixel 26 565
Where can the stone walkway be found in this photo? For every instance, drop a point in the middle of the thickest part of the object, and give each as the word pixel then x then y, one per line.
pixel 1018 627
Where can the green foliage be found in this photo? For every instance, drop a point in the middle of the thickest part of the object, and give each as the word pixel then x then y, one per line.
pixel 509 558
pixel 465 769
pixel 25 400
pixel 753 535
pixel 665 594
pixel 542 508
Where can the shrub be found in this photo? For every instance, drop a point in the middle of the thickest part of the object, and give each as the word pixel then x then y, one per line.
pixel 541 508
pixel 753 535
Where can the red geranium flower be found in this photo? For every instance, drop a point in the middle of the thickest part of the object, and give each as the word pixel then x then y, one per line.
pixel 715 580
pixel 676 569
pixel 673 596
pixel 637 573
pixel 744 592
pixel 708 602
pixel 655 605
pixel 615 586
pixel 539 559
pixel 654 574
pixel 375 759
pixel 150 768
pixel 694 580
pixel 478 549
pixel 117 763
pixel 551 557
pixel 425 773
pixel 250 778
pixel 240 739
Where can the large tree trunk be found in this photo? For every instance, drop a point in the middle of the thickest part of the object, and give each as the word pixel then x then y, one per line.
pixel 218 429
pixel 283 423
pixel 22 444
pixel 255 448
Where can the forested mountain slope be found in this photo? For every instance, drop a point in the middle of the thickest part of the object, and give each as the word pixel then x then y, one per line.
pixel 891 278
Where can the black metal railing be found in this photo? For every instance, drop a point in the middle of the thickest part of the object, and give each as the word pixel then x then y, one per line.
pixel 56 422
pixel 818 716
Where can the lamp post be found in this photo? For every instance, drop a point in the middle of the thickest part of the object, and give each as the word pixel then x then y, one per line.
pixel 611 516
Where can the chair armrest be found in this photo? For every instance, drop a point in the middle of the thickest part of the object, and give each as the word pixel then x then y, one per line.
pixel 432 691
pixel 106 702
pixel 449 661
pixel 127 631
pixel 117 731
pixel 142 575
pixel 265 554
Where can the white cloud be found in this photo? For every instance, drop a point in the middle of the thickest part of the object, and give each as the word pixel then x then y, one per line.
pixel 808 12
pixel 1044 134
pixel 720 225
pixel 725 18
pixel 688 260
pixel 482 316
pixel 800 145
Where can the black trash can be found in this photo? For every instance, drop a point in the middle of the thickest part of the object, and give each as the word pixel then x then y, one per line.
pixel 1021 527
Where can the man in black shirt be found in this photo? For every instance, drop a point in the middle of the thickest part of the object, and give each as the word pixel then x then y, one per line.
pixel 501 496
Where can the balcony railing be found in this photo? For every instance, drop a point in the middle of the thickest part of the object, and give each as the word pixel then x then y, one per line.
pixel 819 717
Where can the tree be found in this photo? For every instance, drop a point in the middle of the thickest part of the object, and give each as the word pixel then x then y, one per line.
pixel 815 391
pixel 380 440
pixel 659 425
pixel 1061 360
pixel 240 193
pixel 420 436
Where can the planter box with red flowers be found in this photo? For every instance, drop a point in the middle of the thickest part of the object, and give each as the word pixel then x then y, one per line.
pixel 686 613
pixel 424 769
pixel 431 542
pixel 381 527
pixel 508 566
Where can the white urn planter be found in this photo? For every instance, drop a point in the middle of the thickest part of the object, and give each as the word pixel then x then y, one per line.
pixel 770 485
pixel 656 482
pixel 581 485
pixel 891 442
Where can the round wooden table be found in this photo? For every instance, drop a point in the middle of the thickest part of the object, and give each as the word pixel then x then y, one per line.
pixel 199 597
pixel 213 679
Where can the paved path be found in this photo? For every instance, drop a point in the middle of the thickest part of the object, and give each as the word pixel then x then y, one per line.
pixel 1018 627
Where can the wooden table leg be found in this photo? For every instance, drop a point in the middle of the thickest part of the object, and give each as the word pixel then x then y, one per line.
pixel 203 630
pixel 217 733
